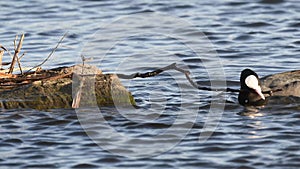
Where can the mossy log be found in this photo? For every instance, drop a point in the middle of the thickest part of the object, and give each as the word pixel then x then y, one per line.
pixel 56 88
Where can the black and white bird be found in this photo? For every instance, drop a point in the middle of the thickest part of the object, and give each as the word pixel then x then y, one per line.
pixel 256 92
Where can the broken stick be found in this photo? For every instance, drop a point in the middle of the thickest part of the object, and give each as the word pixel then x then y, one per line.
pixel 15 58
pixel 1 55
pixel 187 75
pixel 51 53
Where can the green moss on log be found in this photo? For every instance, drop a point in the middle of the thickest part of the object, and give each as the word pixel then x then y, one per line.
pixel 52 93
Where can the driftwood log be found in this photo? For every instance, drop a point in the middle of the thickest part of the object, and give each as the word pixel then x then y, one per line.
pixel 54 88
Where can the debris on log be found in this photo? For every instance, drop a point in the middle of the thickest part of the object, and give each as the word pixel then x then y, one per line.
pixel 56 88
pixel 50 89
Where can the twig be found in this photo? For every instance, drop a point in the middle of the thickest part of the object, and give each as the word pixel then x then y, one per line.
pixel 1 55
pixel 44 61
pixel 3 47
pixel 187 75
pixel 173 67
pixel 19 64
pixel 22 55
pixel 15 42
pixel 77 96
pixel 15 58
pixel 6 63
pixel 83 62
pixel 8 53
pixel 148 74
pixel 58 77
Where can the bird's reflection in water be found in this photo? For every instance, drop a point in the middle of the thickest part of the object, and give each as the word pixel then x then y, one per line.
pixel 251 111
pixel 253 125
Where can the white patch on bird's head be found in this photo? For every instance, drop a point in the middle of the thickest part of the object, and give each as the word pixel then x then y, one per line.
pixel 252 82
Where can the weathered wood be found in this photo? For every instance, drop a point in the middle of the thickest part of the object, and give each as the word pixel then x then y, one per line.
pixel 51 53
pixel 1 56
pixel 50 89
pixel 16 58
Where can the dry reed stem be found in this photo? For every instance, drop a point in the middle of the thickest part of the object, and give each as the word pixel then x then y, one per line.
pixel 1 55
pixel 16 58
pixel 53 50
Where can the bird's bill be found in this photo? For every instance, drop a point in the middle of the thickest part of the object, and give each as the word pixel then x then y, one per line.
pixel 253 83
pixel 258 91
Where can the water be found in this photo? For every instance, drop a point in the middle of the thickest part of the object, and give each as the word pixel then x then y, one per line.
pixel 262 35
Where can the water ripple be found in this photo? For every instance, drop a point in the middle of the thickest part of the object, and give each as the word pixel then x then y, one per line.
pixel 259 35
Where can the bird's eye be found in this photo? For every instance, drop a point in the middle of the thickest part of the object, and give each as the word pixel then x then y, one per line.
pixel 246 101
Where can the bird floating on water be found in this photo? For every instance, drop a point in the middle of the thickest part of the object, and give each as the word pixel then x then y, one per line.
pixel 255 91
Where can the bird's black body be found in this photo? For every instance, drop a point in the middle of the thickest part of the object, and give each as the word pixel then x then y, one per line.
pixel 283 84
